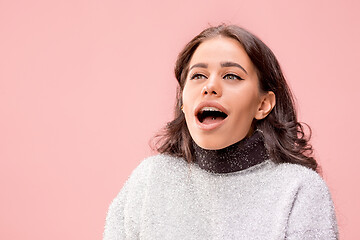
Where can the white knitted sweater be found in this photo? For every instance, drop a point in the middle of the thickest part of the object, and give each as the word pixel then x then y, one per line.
pixel 167 198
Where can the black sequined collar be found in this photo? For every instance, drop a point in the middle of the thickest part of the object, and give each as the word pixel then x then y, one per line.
pixel 241 155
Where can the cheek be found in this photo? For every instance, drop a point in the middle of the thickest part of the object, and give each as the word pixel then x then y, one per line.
pixel 190 95
pixel 246 105
pixel 187 96
pixel 184 98
pixel 186 102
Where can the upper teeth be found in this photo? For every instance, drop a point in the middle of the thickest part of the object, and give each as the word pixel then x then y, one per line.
pixel 210 109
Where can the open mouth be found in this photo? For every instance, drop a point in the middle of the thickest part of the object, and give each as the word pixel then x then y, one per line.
pixel 210 115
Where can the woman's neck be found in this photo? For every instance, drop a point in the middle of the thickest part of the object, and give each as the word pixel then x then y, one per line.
pixel 241 155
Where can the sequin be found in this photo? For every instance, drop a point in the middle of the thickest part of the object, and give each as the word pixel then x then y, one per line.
pixel 167 198
pixel 246 153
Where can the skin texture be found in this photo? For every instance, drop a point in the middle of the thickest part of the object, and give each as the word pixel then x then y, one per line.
pixel 211 82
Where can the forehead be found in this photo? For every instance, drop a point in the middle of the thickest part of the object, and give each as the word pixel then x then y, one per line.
pixel 221 49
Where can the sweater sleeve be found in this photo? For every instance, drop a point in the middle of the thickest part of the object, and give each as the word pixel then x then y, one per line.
pixel 114 224
pixel 123 216
pixel 313 214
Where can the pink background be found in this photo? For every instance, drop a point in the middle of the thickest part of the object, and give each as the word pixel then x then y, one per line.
pixel 85 84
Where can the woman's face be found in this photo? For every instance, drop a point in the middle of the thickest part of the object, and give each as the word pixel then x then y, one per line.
pixel 221 95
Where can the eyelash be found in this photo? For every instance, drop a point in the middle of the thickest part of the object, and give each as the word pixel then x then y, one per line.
pixel 236 77
pixel 196 75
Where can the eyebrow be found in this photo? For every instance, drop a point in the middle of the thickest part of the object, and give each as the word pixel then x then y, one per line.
pixel 232 64
pixel 222 64
pixel 200 65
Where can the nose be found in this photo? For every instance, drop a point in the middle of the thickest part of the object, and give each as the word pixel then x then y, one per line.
pixel 212 87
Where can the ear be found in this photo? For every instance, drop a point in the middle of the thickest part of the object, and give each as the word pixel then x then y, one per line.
pixel 267 103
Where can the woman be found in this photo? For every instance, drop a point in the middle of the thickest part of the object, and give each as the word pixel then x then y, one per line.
pixel 235 162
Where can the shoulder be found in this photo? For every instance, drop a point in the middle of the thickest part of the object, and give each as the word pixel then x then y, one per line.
pixel 299 174
pixel 148 170
pixel 159 161
pixel 312 212
pixel 156 164
pixel 297 181
pixel 302 183
pixel 127 203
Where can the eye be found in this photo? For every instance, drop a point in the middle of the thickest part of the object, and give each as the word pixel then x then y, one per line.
pixel 232 77
pixel 197 76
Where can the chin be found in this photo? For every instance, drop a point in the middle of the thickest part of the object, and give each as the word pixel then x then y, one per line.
pixel 211 144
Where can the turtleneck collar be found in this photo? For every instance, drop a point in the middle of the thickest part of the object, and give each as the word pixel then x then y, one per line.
pixel 241 155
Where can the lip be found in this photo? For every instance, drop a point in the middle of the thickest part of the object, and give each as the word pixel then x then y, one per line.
pixel 208 127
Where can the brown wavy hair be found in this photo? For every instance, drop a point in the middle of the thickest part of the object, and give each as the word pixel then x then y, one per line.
pixel 284 136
